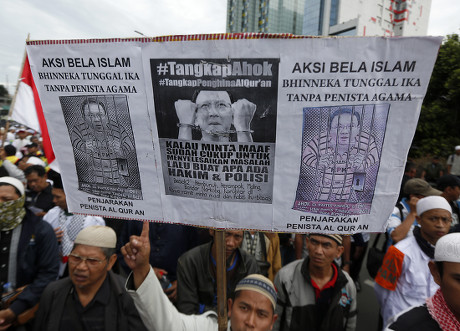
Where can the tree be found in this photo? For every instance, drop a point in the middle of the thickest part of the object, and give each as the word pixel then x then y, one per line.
pixel 438 127
pixel 3 91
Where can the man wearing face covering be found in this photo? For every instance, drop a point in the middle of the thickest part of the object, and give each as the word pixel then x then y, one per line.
pixel 28 252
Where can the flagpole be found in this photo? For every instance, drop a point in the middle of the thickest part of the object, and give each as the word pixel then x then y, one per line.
pixel 13 102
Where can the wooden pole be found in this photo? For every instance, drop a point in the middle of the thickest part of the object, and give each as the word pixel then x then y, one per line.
pixel 221 275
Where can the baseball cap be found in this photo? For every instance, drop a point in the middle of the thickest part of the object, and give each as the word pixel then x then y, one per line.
pixel 420 186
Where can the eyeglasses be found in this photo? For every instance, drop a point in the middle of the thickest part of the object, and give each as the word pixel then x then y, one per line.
pixel 218 105
pixel 90 261
pixel 344 127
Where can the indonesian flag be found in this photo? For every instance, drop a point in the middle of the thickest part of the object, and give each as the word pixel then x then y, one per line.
pixel 28 109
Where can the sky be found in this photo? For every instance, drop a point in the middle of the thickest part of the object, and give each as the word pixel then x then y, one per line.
pixel 85 19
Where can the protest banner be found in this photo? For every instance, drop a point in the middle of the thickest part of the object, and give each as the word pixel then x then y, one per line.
pixel 235 131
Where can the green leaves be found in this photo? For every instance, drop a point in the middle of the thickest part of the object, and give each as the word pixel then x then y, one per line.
pixel 438 130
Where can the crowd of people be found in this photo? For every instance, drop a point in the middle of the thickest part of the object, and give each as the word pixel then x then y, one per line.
pixel 64 271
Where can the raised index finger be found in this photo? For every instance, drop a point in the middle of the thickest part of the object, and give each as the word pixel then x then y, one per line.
pixel 145 230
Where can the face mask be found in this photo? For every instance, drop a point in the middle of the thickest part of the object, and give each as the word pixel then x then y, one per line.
pixel 11 213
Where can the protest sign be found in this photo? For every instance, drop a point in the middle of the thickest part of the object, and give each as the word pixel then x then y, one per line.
pixel 268 132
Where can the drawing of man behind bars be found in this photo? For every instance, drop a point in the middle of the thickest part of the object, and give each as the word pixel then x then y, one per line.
pixel 341 156
pixel 105 154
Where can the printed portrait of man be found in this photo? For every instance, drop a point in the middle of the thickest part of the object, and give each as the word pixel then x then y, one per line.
pixel 215 115
pixel 104 149
pixel 339 154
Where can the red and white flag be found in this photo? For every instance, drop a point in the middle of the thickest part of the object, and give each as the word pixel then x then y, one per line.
pixel 28 109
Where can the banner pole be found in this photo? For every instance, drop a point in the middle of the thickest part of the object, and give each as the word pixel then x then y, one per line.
pixel 221 276
pixel 13 102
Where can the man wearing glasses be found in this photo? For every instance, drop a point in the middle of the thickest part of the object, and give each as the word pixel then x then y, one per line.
pixel 213 113
pixel 340 153
pixel 92 297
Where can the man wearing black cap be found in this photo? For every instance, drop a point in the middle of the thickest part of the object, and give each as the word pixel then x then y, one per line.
pixel 314 293
pixel 450 187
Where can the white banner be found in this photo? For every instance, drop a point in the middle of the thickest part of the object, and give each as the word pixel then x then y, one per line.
pixel 295 135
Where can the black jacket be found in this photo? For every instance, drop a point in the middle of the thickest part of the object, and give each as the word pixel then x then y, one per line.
pixel 416 319
pixel 297 308
pixel 195 284
pixel 120 313
pixel 37 261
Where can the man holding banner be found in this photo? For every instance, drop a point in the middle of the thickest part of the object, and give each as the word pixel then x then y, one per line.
pixel 197 273
pixel 252 307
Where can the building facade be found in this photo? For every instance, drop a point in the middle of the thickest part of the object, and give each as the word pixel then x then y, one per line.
pixel 330 17
pixel 269 16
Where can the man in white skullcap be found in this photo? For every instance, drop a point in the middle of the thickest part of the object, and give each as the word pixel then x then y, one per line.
pixel 251 308
pixel 66 225
pixel 442 310
pixel 28 255
pixel 404 279
pixel 92 297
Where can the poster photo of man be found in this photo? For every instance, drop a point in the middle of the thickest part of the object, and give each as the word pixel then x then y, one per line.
pixel 103 144
pixel 341 148
pixel 213 114
pixel 216 121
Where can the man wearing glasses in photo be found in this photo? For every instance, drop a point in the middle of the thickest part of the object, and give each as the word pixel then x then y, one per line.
pixel 213 113
pixel 92 297
pixel 339 153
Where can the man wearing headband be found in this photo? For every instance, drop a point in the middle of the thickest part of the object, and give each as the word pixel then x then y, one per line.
pixel 251 308
pixel 29 251
pixel 314 293
pixel 404 279
pixel 442 310
pixel 92 297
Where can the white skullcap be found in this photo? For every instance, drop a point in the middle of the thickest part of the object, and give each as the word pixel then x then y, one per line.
pixel 14 182
pixel 432 202
pixel 36 161
pixel 448 248
pixel 457 148
pixel 260 284
pixel 98 236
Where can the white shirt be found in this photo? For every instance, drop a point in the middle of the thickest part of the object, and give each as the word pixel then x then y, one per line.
pixel 158 313
pixel 414 284
pixel 52 217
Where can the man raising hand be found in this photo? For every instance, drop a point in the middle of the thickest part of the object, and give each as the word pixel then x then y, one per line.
pixel 252 307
